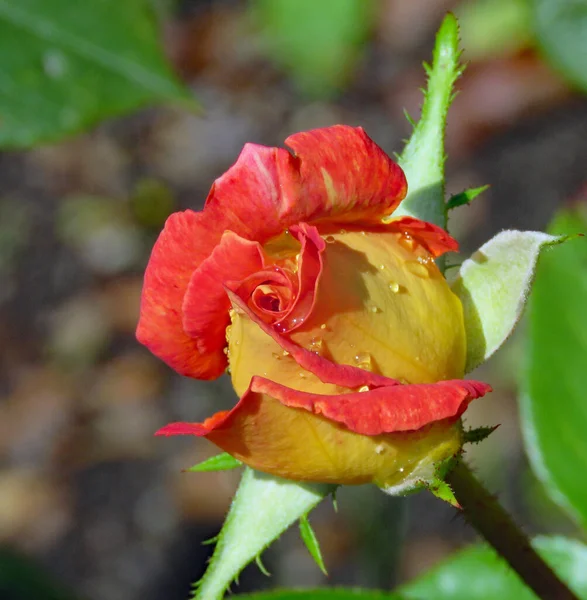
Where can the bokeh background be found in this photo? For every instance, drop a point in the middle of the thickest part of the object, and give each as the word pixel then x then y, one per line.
pixel 92 506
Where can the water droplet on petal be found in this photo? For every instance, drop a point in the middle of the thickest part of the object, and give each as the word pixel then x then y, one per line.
pixel 316 346
pixel 364 388
pixel 381 267
pixel 225 350
pixel 418 269
pixel 323 326
pixel 330 239
pixel 363 361
pixel 374 309
pixel 401 470
pixel 380 449
pixel 394 286
pixel 407 241
pixel 276 356
pixel 302 375
pixel 285 353
pixel 343 231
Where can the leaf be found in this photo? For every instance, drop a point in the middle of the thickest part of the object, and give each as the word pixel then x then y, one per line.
pixel 465 197
pixel 493 286
pixel 309 538
pixel 553 401
pixel 318 43
pixel 220 462
pixel 560 27
pixel 65 66
pixel 262 509
pixel 324 594
pixel 478 573
pixel 423 157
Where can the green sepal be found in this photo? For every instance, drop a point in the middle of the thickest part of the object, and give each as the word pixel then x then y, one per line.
pixel 423 157
pixel 311 541
pixel 220 462
pixel 493 285
pixel 478 434
pixel 465 197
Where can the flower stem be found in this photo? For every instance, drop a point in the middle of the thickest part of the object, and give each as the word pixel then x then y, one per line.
pixel 487 516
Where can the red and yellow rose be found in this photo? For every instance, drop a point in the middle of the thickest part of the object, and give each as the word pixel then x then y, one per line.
pixel 343 339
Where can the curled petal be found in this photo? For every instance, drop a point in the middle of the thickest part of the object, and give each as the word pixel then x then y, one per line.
pixel 433 238
pixel 186 240
pixel 205 304
pixel 344 176
pixel 309 270
pixel 285 432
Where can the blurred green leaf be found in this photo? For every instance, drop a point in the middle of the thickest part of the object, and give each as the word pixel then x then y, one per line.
pixel 561 30
pixel 220 462
pixel 318 43
pixel 309 538
pixel 478 573
pixel 23 579
pixel 493 286
pixel 423 156
pixel 326 594
pixel 553 402
pixel 66 65
pixel 492 28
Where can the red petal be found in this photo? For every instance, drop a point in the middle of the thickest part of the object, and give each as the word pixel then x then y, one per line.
pixel 338 174
pixel 344 176
pixel 206 305
pixel 435 239
pixel 385 409
pixel 248 198
pixel 185 241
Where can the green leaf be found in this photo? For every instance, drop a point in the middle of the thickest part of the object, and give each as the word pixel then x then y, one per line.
pixel 553 402
pixel 318 43
pixel 262 509
pixel 561 30
pixel 478 573
pixel 220 462
pixel 465 197
pixel 309 538
pixel 66 65
pixel 423 157
pixel 493 286
pixel 324 594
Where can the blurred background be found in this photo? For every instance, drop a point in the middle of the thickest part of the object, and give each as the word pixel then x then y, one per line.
pixel 92 506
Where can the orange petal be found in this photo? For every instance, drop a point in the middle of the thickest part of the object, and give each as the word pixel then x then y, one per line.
pixel 283 432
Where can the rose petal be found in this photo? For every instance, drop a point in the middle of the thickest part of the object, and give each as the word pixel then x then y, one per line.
pixel 309 271
pixel 433 238
pixel 283 432
pixel 205 304
pixel 185 241
pixel 344 176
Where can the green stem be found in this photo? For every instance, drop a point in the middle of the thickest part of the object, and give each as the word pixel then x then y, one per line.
pixel 486 515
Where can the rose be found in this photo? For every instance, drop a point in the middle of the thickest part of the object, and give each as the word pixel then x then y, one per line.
pixel 341 335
